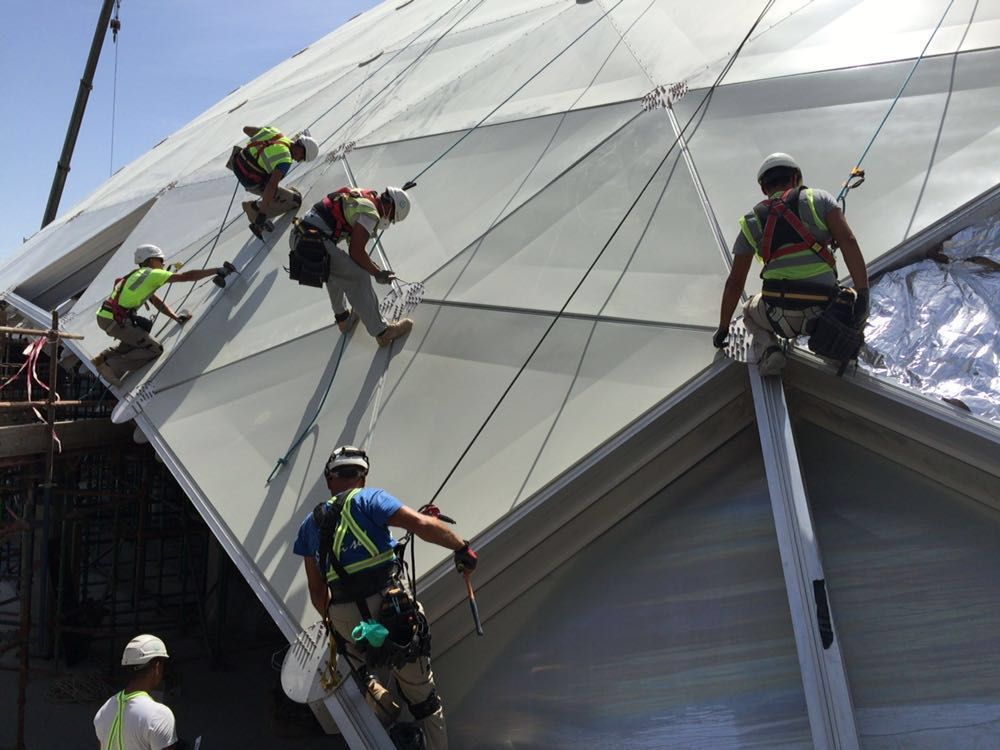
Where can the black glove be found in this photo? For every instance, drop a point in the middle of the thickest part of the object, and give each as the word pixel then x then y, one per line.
pixel 183 317
pixel 721 337
pixel 228 267
pixel 466 559
pixel 385 276
pixel 862 306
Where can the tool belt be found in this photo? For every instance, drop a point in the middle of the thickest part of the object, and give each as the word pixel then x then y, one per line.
pixel 409 636
pixel 835 335
pixel 250 176
pixel 363 584
pixel 308 261
pixel 790 294
pixel 126 316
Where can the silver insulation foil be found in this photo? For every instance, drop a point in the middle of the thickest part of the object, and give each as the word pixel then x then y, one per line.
pixel 934 324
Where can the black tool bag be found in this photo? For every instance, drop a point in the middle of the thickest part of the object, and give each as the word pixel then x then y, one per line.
pixel 249 175
pixel 142 322
pixel 835 335
pixel 308 262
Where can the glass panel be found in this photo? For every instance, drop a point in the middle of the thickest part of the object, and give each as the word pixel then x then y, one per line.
pixel 415 407
pixel 671 629
pixel 913 570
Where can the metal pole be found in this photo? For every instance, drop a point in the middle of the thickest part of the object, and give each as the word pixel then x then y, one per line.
pixel 27 569
pixel 76 119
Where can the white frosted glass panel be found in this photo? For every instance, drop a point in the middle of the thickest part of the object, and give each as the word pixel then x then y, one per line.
pixel 799 37
pixel 67 244
pixel 415 407
pixel 486 177
pixel 670 630
pixel 541 251
pixel 825 120
pixel 913 569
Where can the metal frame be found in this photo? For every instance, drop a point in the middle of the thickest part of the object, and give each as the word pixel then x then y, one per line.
pixel 824 676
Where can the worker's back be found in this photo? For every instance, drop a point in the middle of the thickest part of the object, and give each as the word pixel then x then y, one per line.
pixel 144 724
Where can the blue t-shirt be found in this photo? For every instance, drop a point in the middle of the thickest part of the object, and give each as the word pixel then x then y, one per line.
pixel 371 508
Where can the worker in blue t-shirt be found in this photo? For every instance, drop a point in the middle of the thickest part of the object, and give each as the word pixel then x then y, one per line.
pixel 354 576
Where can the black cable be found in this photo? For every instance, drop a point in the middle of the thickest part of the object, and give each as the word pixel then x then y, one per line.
pixel 703 104
pixel 413 182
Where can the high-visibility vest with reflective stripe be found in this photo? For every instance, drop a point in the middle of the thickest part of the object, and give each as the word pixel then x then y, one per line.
pixel 805 264
pixel 341 209
pixel 270 148
pixel 115 739
pixel 347 525
pixel 138 287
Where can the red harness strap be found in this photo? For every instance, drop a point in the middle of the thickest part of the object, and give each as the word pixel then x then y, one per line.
pixel 119 313
pixel 333 203
pixel 778 208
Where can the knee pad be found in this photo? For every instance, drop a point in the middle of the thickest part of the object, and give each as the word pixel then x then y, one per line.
pixel 426 707
pixel 407 737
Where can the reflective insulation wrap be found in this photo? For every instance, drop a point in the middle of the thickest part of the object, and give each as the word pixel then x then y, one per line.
pixel 934 325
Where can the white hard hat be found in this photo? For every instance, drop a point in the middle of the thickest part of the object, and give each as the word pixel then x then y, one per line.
pixel 776 160
pixel 145 252
pixel 143 649
pixel 346 456
pixel 309 145
pixel 401 201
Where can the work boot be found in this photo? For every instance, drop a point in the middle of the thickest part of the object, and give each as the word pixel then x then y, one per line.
pixel 772 361
pixel 347 324
pixel 395 330
pixel 105 371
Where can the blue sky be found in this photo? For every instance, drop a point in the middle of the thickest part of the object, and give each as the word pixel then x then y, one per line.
pixel 176 58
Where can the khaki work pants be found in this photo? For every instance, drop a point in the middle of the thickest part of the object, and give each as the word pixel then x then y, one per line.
pixel 285 200
pixel 135 349
pixel 767 322
pixel 415 679
pixel 348 279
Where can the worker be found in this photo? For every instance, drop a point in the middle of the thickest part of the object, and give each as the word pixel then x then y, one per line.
pixel 131 719
pixel 118 316
pixel 352 216
pixel 791 233
pixel 261 165
pixel 348 537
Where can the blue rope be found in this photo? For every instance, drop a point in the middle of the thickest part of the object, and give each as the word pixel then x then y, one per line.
pixel 298 441
pixel 857 171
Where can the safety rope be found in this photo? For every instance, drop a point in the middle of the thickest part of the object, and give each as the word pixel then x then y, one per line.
pixel 374 73
pixel 697 112
pixel 342 344
pixel 857 175
pixel 411 183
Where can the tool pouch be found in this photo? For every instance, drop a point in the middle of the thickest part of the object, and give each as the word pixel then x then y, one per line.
pixel 249 176
pixel 308 262
pixel 834 335
pixel 141 322
pixel 409 636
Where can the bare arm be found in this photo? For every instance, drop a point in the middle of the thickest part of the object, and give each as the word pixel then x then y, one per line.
pixel 195 275
pixel 427 528
pixel 841 232
pixel 163 307
pixel 358 253
pixel 734 288
pixel 250 130
pixel 319 593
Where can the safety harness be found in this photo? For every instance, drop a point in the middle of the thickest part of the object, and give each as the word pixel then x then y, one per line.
pixel 125 315
pixel 246 164
pixel 332 209
pixel 408 633
pixel 782 226
pixel 116 740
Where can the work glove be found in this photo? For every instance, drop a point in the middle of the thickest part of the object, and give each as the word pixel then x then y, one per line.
pixel 862 306
pixel 183 317
pixel 466 559
pixel 721 337
pixel 385 276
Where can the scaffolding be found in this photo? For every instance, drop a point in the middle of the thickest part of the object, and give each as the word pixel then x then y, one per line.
pixel 95 536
